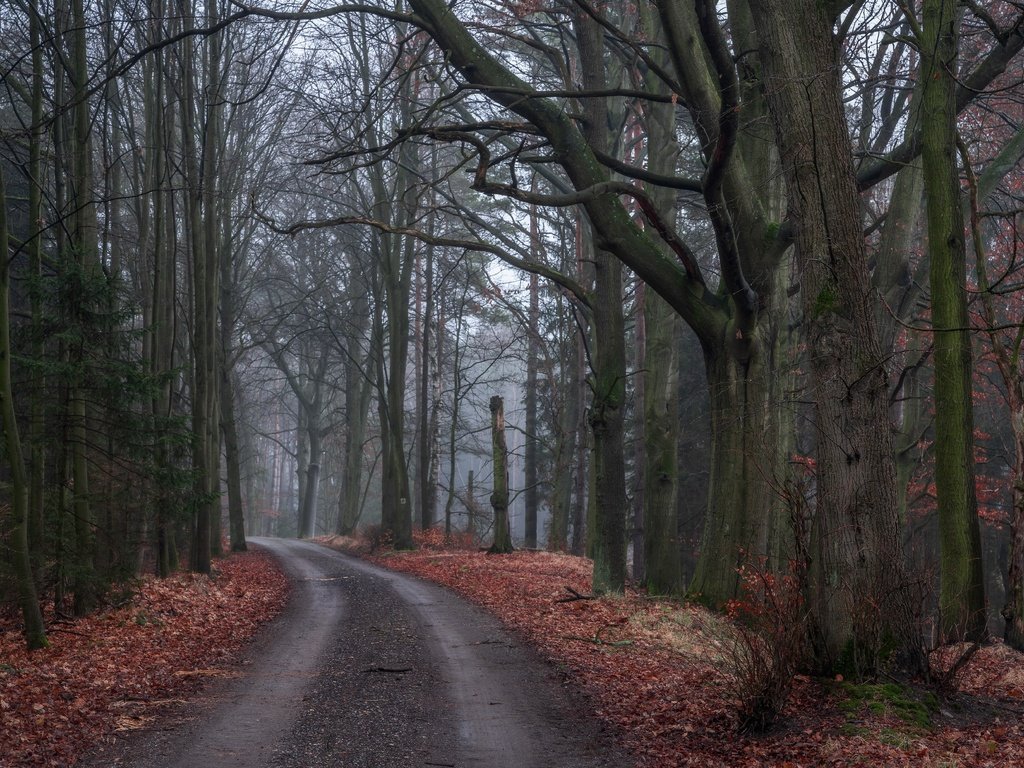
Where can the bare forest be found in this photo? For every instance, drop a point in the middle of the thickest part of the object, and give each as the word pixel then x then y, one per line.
pixel 726 298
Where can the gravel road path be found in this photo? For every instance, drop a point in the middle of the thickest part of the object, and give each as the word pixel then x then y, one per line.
pixel 367 668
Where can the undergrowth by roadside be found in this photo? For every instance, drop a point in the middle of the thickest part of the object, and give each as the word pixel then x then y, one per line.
pixel 659 673
pixel 114 670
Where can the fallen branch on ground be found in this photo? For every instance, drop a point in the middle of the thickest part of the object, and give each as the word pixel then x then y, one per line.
pixel 574 596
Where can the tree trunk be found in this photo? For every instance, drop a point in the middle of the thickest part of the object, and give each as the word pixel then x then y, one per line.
pixel 428 426
pixel 470 505
pixel 162 344
pixel 531 477
pixel 84 266
pixel 37 419
pixel 661 430
pixel 747 431
pixel 962 586
pixel 607 418
pixel 581 474
pixel 638 530
pixel 499 496
pixel 228 424
pixel 660 370
pixel 396 264
pixel 232 458
pixel 34 630
pixel 358 386
pixel 859 603
pixel 397 515
pixel 200 231
pixel 455 417
pixel 568 433
pixel 307 511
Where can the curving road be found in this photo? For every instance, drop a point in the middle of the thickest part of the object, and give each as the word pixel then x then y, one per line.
pixel 367 668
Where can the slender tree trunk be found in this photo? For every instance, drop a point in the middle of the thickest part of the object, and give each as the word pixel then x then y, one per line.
pixel 660 371
pixel 427 433
pixel 396 472
pixel 302 454
pixel 232 458
pixel 35 632
pixel 567 435
pixel 396 281
pixel 1008 359
pixel 607 419
pixel 211 207
pixel 581 460
pixel 201 231
pixel 962 586
pixel 471 510
pixel 455 416
pixel 531 477
pixel 37 419
pixel 163 333
pixel 84 265
pixel 640 463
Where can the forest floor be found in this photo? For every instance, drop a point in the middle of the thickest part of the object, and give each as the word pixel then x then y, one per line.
pixel 658 673
pixel 118 669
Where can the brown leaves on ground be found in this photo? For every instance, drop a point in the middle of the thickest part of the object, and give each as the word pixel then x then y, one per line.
pixel 113 670
pixel 657 673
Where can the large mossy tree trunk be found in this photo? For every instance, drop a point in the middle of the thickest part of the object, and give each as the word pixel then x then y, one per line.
pixel 607 423
pixel 662 552
pixel 961 580
pixel 859 602
pixel 745 520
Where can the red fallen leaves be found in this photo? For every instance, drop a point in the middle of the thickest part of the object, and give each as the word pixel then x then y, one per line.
pixel 111 670
pixel 655 672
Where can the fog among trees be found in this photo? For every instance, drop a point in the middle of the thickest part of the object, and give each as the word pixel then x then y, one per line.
pixel 686 287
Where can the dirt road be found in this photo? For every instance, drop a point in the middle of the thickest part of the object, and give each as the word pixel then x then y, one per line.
pixel 366 668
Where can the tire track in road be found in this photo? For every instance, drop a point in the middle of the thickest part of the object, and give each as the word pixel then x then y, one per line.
pixel 369 668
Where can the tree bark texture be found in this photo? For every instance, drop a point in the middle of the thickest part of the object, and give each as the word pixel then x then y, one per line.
pixel 961 582
pixel 608 384
pixel 859 603
pixel 499 495
pixel 32 617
